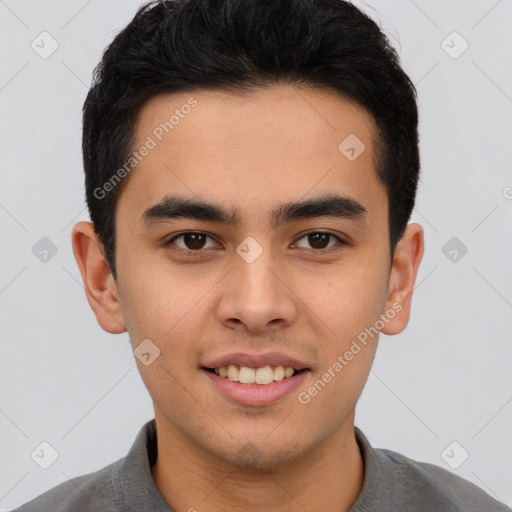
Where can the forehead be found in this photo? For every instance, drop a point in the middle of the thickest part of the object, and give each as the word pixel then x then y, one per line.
pixel 312 117
pixel 255 149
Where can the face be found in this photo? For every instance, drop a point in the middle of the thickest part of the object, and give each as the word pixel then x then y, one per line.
pixel 273 252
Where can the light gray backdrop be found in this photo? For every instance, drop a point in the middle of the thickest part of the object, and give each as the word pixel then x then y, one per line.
pixel 439 392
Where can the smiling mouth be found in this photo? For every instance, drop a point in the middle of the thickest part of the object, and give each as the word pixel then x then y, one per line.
pixel 263 376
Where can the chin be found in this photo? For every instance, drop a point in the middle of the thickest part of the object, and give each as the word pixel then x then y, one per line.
pixel 261 456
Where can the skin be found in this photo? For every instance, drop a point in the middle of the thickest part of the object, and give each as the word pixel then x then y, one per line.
pixel 253 153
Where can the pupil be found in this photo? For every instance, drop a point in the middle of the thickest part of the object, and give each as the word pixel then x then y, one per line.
pixel 194 240
pixel 315 238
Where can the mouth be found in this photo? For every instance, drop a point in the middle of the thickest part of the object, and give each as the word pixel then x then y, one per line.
pixel 262 376
pixel 255 380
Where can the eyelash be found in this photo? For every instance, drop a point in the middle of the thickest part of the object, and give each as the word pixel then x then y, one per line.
pixel 198 252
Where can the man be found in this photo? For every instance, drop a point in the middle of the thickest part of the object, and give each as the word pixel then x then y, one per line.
pixel 251 168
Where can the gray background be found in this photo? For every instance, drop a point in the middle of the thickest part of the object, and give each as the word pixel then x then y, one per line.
pixel 446 378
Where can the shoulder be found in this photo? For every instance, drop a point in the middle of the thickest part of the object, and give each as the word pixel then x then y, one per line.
pixel 124 485
pixel 93 491
pixel 395 482
pixel 429 487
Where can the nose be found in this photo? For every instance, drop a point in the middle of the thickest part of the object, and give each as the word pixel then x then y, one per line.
pixel 257 297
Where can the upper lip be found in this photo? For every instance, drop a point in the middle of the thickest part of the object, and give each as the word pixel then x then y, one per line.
pixel 256 360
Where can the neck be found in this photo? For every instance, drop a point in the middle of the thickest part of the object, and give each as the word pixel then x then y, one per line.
pixel 328 478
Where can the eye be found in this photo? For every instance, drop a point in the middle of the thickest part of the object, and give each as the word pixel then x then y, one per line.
pixel 191 241
pixel 319 240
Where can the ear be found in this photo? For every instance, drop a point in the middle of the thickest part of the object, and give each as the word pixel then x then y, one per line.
pixel 404 268
pixel 100 286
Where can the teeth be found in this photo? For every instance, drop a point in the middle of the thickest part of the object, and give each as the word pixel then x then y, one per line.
pixel 245 375
pixel 288 372
pixel 233 373
pixel 278 373
pixel 264 375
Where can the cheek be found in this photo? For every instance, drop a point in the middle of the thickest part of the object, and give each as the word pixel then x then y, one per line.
pixel 149 304
pixel 347 314
pixel 164 309
pixel 165 305
pixel 351 300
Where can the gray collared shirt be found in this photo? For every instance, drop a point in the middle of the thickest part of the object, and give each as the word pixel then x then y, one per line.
pixel 392 483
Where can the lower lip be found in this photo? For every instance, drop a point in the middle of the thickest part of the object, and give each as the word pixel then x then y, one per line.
pixel 256 395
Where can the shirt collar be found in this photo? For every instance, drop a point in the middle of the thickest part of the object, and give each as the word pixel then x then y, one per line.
pixel 371 483
pixel 132 481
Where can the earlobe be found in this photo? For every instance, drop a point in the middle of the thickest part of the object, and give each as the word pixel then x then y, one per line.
pixel 404 269
pixel 100 287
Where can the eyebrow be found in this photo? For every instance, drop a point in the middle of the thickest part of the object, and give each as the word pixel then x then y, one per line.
pixel 177 207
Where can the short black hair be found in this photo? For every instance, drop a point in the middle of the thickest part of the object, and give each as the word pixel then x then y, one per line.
pixel 241 46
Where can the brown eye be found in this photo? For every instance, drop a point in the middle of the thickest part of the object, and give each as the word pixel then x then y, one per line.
pixel 194 241
pixel 320 240
pixel 190 241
